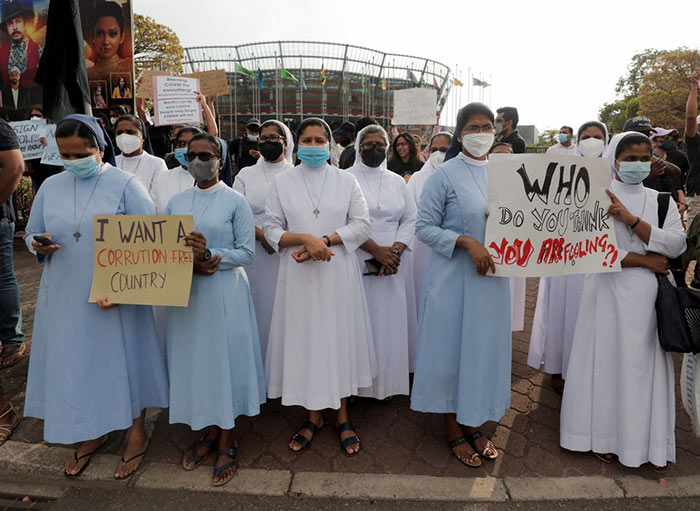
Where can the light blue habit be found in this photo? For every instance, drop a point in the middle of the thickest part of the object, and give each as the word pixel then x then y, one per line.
pixel 91 371
pixel 213 351
pixel 463 353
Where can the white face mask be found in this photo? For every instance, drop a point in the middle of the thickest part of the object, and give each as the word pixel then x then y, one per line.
pixel 478 144
pixel 35 118
pixel 591 147
pixel 437 158
pixel 128 143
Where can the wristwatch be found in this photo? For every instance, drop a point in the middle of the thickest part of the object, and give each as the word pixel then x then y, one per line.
pixel 327 240
pixel 207 255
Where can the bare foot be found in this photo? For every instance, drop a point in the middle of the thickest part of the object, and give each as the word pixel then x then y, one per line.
pixel 133 454
pixel 83 455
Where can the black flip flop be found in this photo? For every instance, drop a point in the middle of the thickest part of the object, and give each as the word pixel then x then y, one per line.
pixel 77 458
pixel 126 462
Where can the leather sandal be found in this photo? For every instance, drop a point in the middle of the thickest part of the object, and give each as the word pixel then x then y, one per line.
pixel 6 430
pixel 302 440
pixel 197 458
pixel 349 441
pixel 231 453
pixel 473 460
pixel 490 452
pixel 10 355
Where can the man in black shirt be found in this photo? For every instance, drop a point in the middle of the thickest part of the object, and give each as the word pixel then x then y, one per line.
pixel 11 169
pixel 506 122
pixel 244 149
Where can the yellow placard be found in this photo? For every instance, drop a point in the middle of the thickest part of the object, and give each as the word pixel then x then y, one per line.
pixel 142 259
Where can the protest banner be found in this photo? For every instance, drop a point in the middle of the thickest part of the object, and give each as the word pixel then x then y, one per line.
pixel 142 259
pixel 28 135
pixel 415 106
pixel 175 101
pixel 51 156
pixel 548 215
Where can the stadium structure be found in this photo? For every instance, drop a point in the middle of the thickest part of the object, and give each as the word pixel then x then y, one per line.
pixel 292 80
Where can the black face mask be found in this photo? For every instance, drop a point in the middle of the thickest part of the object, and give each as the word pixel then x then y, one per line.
pixel 345 142
pixel 373 157
pixel 271 150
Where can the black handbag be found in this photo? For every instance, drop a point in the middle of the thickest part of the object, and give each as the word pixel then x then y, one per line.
pixel 677 309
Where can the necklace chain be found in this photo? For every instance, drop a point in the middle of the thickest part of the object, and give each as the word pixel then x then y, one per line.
pixel 77 235
pixel 369 188
pixel 316 211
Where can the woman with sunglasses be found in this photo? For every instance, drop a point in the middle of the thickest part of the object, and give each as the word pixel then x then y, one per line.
pixel 463 358
pixel 439 143
pixel 169 183
pixel 213 350
pixel 276 147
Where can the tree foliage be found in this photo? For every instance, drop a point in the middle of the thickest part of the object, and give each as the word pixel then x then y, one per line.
pixel 546 138
pixel 156 46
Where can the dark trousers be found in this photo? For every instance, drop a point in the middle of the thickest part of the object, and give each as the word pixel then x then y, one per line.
pixel 10 306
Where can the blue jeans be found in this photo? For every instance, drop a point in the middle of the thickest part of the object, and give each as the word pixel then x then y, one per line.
pixel 10 306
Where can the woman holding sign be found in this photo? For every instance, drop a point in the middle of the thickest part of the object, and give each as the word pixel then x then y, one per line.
pixel 463 358
pixel 320 349
pixel 94 368
pixel 619 393
pixel 276 149
pixel 213 349
pixel 558 298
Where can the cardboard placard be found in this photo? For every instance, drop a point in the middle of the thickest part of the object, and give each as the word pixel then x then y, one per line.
pixel 415 106
pixel 28 135
pixel 142 259
pixel 145 87
pixel 51 156
pixel 175 101
pixel 548 215
pixel 213 83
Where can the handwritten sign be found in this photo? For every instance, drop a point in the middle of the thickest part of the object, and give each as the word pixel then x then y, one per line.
pixel 51 155
pixel 142 259
pixel 175 100
pixel 145 87
pixel 28 135
pixel 415 106
pixel 548 215
pixel 212 83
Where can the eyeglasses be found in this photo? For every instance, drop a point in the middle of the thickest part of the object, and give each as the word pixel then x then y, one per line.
pixel 202 156
pixel 475 128
pixel 441 149
pixel 376 145
pixel 271 138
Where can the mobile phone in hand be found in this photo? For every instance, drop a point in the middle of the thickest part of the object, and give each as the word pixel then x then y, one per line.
pixel 43 240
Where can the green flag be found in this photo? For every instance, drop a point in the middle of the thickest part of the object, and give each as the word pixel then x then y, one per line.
pixel 242 70
pixel 286 75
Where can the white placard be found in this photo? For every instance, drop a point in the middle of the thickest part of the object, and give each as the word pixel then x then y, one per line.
pixel 51 156
pixel 175 100
pixel 415 106
pixel 28 135
pixel 548 215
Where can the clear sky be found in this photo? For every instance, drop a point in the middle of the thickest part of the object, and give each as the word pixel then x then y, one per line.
pixel 557 62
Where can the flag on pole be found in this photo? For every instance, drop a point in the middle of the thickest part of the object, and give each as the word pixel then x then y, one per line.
pixel 261 79
pixel 457 82
pixel 485 84
pixel 303 82
pixel 286 75
pixel 410 75
pixel 323 75
pixel 383 83
pixel 242 70
pixel 477 83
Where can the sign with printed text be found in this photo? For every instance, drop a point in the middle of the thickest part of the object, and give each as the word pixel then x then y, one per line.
pixel 175 101
pixel 212 83
pixel 142 259
pixel 51 155
pixel 548 215
pixel 28 135
pixel 415 106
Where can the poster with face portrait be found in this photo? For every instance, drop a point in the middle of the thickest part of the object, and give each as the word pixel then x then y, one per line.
pixel 109 54
pixel 22 36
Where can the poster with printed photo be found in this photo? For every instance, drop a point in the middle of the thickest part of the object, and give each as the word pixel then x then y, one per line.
pixel 109 49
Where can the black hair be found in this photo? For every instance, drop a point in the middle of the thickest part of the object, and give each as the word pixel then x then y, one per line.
pixel 314 121
pixel 448 136
pixel 119 109
pixel 569 129
pixel 510 113
pixel 131 118
pixel 73 128
pixel 209 138
pixel 630 140
pixel 112 10
pixel 592 124
pixel 413 150
pixel 471 110
pixel 33 108
pixel 189 129
pixel 363 123
pixel 280 131
pixel 501 144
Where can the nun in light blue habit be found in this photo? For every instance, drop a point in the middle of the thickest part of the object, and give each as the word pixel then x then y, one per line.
pixel 463 356
pixel 94 368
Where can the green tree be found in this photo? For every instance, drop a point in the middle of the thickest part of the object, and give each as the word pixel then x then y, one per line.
pixel 156 46
pixel 614 115
pixel 546 138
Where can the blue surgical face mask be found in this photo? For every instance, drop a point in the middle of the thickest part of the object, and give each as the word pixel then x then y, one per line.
pixel 179 154
pixel 563 137
pixel 633 172
pixel 82 168
pixel 314 156
pixel 252 138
